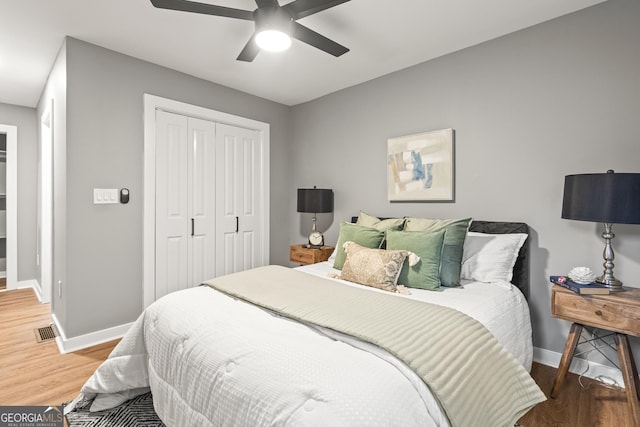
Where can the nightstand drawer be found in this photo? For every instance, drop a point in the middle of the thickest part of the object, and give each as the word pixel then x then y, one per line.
pixel 615 312
pixel 303 255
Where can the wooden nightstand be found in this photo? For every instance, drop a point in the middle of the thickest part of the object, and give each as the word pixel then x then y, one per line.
pixel 618 313
pixel 304 255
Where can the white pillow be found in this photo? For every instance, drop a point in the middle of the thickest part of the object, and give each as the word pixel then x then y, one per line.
pixel 490 257
pixel 332 257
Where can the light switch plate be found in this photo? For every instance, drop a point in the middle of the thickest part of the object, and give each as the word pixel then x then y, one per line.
pixel 102 196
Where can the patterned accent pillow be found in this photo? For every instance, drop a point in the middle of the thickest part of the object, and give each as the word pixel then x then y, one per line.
pixel 377 268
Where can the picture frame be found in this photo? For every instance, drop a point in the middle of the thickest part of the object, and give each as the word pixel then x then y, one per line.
pixel 420 167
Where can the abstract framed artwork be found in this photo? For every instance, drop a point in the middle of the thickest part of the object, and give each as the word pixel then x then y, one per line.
pixel 420 168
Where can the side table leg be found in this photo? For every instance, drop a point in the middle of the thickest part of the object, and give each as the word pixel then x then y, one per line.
pixel 567 355
pixel 630 375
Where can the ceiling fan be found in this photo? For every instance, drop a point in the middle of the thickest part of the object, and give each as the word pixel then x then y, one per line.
pixel 274 24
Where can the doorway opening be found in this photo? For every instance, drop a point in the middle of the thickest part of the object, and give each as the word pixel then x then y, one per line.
pixel 9 198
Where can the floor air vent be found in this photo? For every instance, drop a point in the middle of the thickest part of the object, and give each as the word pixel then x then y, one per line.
pixel 45 334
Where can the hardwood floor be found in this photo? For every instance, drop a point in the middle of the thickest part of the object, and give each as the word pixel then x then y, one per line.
pixel 34 373
pixel 593 406
pixel 3 283
pixel 37 374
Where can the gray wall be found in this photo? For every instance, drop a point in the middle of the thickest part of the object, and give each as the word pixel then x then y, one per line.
pixel 24 118
pixel 101 263
pixel 528 108
pixel 559 98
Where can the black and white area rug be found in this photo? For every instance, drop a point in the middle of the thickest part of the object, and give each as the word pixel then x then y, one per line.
pixel 136 412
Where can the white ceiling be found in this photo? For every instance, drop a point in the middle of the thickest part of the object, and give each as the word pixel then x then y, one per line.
pixel 384 36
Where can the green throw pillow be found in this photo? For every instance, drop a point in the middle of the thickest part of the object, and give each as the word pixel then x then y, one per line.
pixel 367 220
pixel 364 236
pixel 455 231
pixel 428 246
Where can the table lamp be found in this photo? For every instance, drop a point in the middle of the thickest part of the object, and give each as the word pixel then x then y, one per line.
pixel 315 200
pixel 609 198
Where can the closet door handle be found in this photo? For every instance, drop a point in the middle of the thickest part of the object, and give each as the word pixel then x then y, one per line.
pixel 237 224
pixel 193 227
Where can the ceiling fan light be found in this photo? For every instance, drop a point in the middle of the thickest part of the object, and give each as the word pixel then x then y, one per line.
pixel 273 40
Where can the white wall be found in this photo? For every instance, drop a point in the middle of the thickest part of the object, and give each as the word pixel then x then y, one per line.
pixel 528 108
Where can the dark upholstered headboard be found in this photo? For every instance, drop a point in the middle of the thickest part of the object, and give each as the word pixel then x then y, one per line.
pixel 521 269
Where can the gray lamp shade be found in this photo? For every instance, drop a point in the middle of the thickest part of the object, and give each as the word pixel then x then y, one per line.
pixel 315 200
pixel 612 198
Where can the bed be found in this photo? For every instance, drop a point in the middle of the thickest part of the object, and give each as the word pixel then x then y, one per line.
pixel 293 347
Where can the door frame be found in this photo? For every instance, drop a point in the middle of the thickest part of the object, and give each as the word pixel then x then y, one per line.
pixel 153 103
pixel 45 248
pixel 12 203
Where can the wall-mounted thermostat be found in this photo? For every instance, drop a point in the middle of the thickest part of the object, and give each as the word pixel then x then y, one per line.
pixel 124 195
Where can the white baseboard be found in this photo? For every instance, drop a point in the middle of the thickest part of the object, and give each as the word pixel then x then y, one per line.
pixel 578 365
pixel 33 284
pixel 69 345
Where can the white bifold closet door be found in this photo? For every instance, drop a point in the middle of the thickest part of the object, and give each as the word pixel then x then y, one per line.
pixel 185 202
pixel 238 212
pixel 207 205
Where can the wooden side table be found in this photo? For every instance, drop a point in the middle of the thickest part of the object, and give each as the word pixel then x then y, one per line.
pixel 618 313
pixel 304 255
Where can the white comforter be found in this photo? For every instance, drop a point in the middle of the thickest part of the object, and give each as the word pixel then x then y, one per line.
pixel 211 360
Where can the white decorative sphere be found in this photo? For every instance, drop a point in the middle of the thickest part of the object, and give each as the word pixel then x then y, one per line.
pixel 581 275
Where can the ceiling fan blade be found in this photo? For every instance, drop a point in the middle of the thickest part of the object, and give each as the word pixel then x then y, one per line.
pixel 314 39
pixel 267 3
pixel 207 9
pixel 301 8
pixel 250 50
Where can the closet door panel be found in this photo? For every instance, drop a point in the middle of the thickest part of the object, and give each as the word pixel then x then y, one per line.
pixel 249 246
pixel 227 259
pixel 201 187
pixel 174 270
pixel 172 218
pixel 227 185
pixel 251 208
pixel 248 177
pixel 238 190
